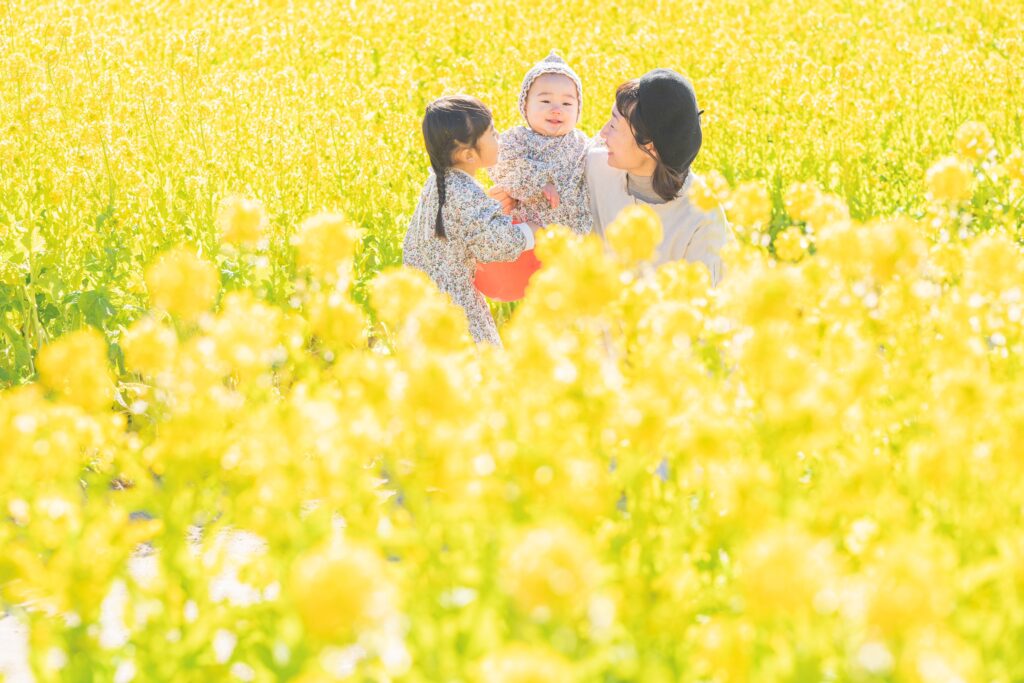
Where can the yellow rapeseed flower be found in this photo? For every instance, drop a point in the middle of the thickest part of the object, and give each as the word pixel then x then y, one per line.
pixel 395 293
pixel 336 320
pixel 911 584
pixel 635 233
pixel 750 205
pixel 525 664
pixel 436 324
pixel 247 334
pixel 825 210
pixel 553 242
pixel 790 244
pixel 241 221
pixel 973 141
pixel 897 247
pixel 340 590
pixel 994 265
pixel 76 368
pixel 551 570
pixel 724 649
pixel 782 570
pixel 326 243
pixel 710 191
pixel 949 180
pixel 1014 166
pixel 149 346
pixel 936 656
pixel 182 283
pixel 800 197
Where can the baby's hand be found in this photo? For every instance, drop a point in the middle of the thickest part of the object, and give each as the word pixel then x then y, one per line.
pixel 508 203
pixel 551 194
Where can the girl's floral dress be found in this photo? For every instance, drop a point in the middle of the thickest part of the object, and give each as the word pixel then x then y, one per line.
pixel 476 230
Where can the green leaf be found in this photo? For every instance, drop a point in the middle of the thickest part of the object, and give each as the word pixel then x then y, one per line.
pixel 22 352
pixel 95 307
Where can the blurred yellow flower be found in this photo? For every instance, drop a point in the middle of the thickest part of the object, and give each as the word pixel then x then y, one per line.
pixel 182 283
pixel 1014 165
pixel 750 205
pixel 800 197
pixel 710 191
pixel 75 367
pixel 553 242
pixel 395 293
pixel 950 180
pixel 790 244
pixel 525 664
pixel 994 265
pixel 935 656
pixel 898 248
pixel 725 649
pixel 783 569
pixel 825 210
pixel 340 590
pixel 326 243
pixel 247 334
pixel 551 571
pixel 241 221
pixel 635 233
pixel 436 324
pixel 336 320
pixel 911 583
pixel 973 141
pixel 149 346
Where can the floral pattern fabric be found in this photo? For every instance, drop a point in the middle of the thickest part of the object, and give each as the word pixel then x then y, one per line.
pixel 476 231
pixel 528 160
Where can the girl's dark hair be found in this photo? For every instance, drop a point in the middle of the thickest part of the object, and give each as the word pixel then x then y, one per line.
pixel 667 181
pixel 451 123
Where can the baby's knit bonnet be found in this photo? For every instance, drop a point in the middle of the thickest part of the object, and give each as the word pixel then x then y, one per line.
pixel 552 64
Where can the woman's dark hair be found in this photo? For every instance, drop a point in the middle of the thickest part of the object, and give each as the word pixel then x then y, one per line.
pixel 667 181
pixel 451 123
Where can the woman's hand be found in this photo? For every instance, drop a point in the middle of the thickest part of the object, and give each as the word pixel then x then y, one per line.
pixel 508 204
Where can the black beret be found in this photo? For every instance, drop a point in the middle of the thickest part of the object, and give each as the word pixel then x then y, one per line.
pixel 667 106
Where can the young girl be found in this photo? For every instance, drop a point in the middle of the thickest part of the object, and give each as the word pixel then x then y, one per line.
pixel 455 223
pixel 542 163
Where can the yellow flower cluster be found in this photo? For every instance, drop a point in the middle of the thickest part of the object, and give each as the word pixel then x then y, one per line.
pixel 76 368
pixel 654 478
pixel 950 180
pixel 340 591
pixel 182 283
pixel 241 221
pixel 635 234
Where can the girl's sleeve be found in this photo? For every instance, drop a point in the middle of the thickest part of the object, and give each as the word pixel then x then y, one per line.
pixel 490 235
pixel 523 177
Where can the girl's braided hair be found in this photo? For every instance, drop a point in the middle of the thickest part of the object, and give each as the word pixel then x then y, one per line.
pixel 451 123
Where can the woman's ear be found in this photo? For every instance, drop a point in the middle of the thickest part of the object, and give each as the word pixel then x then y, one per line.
pixel 650 150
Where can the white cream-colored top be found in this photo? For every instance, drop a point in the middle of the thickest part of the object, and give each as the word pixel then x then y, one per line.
pixel 690 233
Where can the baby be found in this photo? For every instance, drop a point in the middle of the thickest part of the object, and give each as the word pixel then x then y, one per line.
pixel 541 165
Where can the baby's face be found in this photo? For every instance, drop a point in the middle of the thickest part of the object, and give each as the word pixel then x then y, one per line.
pixel 552 105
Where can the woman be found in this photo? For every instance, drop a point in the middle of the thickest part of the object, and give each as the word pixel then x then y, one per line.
pixel 650 142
